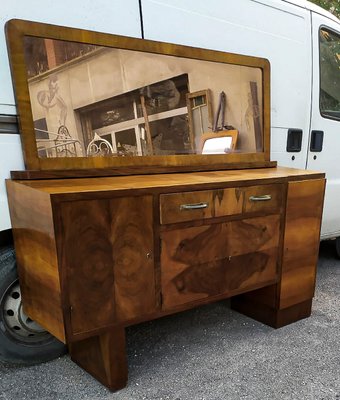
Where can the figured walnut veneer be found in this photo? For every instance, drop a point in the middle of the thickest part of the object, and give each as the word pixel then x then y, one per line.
pixel 98 254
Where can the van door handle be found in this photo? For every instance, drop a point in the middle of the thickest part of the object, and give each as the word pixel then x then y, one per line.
pixel 294 140
pixel 316 141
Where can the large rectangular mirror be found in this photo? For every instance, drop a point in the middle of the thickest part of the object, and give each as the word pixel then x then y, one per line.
pixel 90 100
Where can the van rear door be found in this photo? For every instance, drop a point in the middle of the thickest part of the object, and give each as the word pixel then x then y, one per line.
pixel 324 138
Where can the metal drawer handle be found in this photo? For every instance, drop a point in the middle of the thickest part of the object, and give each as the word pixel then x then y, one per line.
pixel 195 206
pixel 264 197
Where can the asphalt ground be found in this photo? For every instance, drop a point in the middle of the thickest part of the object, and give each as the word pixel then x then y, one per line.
pixel 211 353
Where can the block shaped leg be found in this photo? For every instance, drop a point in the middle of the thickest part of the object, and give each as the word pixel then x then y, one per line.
pixel 103 357
pixel 291 298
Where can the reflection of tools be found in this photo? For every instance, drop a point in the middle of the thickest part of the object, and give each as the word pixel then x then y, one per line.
pixel 223 138
pixel 221 110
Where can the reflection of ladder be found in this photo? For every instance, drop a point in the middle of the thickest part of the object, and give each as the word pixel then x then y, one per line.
pixel 147 126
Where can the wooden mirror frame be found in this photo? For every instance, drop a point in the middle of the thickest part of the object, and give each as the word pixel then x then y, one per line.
pixel 16 30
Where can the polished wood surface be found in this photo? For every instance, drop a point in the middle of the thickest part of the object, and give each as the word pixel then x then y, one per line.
pixel 35 246
pixel 88 263
pixel 171 182
pixel 291 298
pixel 133 256
pixel 217 203
pixel 16 30
pixel 274 317
pixel 107 253
pixel 98 254
pixel 103 357
pixel 210 260
pixel 110 171
pixel 255 198
pixel 198 205
pixel 301 241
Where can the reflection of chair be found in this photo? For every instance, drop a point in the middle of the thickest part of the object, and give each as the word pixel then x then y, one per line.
pixel 99 147
pixel 221 142
pixel 62 145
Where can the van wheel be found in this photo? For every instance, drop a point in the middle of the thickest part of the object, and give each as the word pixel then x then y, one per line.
pixel 337 246
pixel 22 341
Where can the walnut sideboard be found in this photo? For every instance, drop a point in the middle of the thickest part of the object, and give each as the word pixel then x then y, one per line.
pixel 98 254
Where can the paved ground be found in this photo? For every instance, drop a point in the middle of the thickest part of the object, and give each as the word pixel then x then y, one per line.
pixel 211 353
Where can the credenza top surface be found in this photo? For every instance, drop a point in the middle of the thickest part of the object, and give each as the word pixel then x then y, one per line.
pixel 173 180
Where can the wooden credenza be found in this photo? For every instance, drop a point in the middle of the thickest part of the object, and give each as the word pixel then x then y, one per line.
pixel 98 254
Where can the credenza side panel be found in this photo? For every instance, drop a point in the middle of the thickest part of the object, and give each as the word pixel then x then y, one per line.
pixel 301 241
pixel 35 247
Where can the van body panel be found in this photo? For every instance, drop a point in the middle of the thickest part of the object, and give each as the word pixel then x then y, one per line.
pixel 326 160
pixel 11 158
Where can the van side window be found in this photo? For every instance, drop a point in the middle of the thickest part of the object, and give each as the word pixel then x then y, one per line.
pixel 329 74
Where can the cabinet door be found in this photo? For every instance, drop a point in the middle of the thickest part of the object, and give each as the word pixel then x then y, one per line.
pixel 224 258
pixel 107 272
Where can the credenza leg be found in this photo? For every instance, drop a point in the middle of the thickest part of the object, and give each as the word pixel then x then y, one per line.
pixel 270 314
pixel 103 357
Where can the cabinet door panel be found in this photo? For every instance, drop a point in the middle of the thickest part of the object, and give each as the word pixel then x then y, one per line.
pixel 109 276
pixel 87 258
pixel 132 250
pixel 224 258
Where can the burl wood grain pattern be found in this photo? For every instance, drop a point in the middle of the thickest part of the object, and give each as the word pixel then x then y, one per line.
pixel 301 241
pixel 87 260
pixel 132 249
pixel 218 203
pixel 34 237
pixel 107 253
pixel 291 299
pixel 209 260
pixel 276 193
pixel 103 357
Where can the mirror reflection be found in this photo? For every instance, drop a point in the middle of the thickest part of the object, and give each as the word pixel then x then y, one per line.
pixel 93 101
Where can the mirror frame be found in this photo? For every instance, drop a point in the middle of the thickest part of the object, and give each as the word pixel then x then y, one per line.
pixel 16 30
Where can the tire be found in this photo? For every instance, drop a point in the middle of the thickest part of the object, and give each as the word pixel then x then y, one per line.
pixel 337 246
pixel 22 341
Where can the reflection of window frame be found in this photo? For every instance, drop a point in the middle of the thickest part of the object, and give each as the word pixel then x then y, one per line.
pixel 135 124
pixel 143 135
pixel 324 112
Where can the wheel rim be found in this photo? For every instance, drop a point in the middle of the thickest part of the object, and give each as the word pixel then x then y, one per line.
pixel 17 323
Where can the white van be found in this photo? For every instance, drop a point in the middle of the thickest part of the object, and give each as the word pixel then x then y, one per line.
pixel 302 43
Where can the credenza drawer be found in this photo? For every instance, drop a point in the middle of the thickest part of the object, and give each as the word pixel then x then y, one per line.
pixel 264 198
pixel 190 206
pixel 223 258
